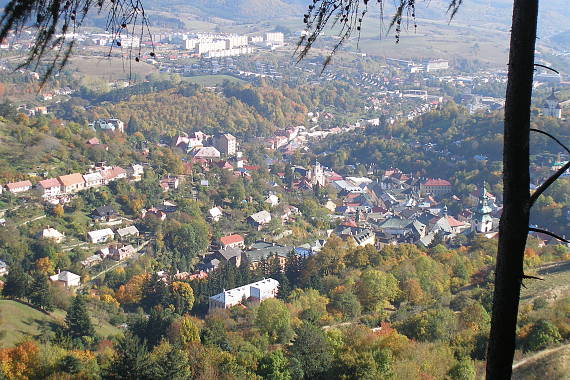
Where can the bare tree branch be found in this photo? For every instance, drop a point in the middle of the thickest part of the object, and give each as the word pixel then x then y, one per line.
pixel 548 233
pixel 552 137
pixel 542 188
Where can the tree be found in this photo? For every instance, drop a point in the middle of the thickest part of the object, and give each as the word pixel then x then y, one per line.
pixel 375 289
pixel 313 350
pixel 541 335
pixel 274 319
pixel 463 370
pixel 39 293
pixel 77 319
pixel 274 366
pixel 130 360
pixel 16 285
pixel 182 296
pixel 188 332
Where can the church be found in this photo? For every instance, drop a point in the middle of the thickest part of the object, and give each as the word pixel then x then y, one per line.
pixel 551 107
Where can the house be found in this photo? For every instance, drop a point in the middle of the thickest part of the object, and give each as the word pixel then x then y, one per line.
pixel 232 241
pixel 92 261
pixel 66 279
pixel 104 214
pixel 259 219
pixel 101 236
pixel 50 187
pixel 71 183
pixel 112 174
pixel 169 183
pixel 289 212
pixel 124 233
pixel 226 144
pixel 215 214
pixel 3 268
pixel 136 172
pixel 435 187
pixel 161 215
pixel 268 252
pixel 19 187
pixel 365 237
pixel 229 255
pixel 120 253
pixel 51 234
pixel 93 180
pixel 109 125
pixel 272 200
pixel 206 153
pixel 257 292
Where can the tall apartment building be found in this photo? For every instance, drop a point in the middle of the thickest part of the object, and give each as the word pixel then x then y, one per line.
pixel 226 144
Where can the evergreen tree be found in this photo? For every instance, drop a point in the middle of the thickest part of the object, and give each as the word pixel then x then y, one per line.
pixel 16 285
pixel 130 362
pixel 77 319
pixel 313 350
pixel 39 293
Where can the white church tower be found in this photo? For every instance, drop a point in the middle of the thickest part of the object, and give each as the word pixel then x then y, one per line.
pixel 551 107
pixel 483 220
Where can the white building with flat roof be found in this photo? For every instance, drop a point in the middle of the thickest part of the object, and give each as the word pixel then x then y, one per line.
pixel 257 292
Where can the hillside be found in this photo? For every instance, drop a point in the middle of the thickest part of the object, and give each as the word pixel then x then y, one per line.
pixel 552 364
pixel 19 321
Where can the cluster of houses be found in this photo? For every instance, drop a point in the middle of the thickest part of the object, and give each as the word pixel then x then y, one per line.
pixel 398 208
pixel 59 188
pixel 202 146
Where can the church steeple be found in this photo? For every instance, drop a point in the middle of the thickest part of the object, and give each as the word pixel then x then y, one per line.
pixel 483 220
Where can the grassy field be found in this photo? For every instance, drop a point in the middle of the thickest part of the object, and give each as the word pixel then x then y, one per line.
pixel 212 80
pixel 19 321
pixel 556 282
pixel 109 68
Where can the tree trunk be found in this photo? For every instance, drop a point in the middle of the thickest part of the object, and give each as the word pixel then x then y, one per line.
pixel 513 228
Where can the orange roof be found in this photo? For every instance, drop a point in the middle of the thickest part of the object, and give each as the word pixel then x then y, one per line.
pixel 454 222
pixel 113 173
pixel 231 239
pixel 16 185
pixel 437 182
pixel 71 179
pixel 49 183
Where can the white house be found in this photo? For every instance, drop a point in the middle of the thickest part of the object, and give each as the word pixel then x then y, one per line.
pixel 50 187
pixel 257 292
pixel 93 179
pixel 66 278
pixel 215 214
pixel 272 200
pixel 101 236
pixel 19 187
pixel 51 234
pixel 127 231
